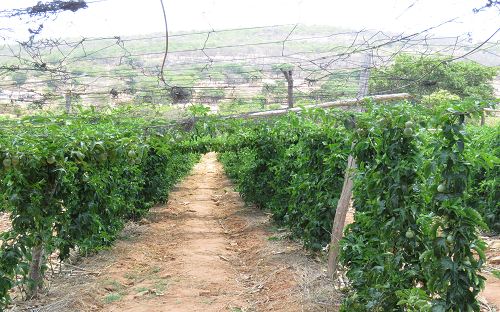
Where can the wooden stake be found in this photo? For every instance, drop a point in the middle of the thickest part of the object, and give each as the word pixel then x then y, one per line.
pixel 289 80
pixel 340 215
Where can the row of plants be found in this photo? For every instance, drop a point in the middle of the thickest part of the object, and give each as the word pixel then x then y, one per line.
pixel 292 167
pixel 71 183
pixel 420 196
pixel 414 234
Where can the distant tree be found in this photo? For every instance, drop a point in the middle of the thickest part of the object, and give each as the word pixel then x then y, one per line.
pixel 276 69
pixel 17 110
pixel 259 100
pixel 433 100
pixel 19 77
pixel 212 94
pixel 467 79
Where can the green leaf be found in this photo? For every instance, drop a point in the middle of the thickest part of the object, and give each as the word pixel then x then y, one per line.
pixel 489 159
pixel 349 123
pixel 480 253
pixel 460 146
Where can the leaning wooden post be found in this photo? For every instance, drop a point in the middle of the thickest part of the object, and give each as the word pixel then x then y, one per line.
pixel 345 197
pixel 289 80
pixel 340 215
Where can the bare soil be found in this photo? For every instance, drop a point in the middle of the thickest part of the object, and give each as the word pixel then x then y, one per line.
pixel 203 251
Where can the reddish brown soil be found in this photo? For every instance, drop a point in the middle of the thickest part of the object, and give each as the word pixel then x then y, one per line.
pixel 206 251
pixel 203 251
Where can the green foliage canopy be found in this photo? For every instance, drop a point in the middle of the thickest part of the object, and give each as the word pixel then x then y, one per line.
pixel 467 79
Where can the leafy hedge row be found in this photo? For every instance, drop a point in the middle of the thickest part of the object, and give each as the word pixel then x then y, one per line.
pixel 292 166
pixel 416 194
pixel 485 182
pixel 73 183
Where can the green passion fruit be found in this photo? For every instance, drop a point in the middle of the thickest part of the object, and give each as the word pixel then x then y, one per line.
pixel 409 124
pixel 15 159
pixel 408 131
pixel 441 188
pixel 51 159
pixel 449 239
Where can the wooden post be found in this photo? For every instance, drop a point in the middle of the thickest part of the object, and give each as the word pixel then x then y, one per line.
pixel 345 197
pixel 289 80
pixel 483 118
pixel 364 78
pixel 67 96
pixel 340 215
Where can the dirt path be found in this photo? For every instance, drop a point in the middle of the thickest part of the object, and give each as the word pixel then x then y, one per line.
pixel 203 251
pixel 182 266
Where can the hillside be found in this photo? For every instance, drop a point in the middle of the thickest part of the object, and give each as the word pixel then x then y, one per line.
pixel 233 68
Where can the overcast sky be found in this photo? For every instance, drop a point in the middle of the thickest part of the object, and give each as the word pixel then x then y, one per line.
pixel 126 17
